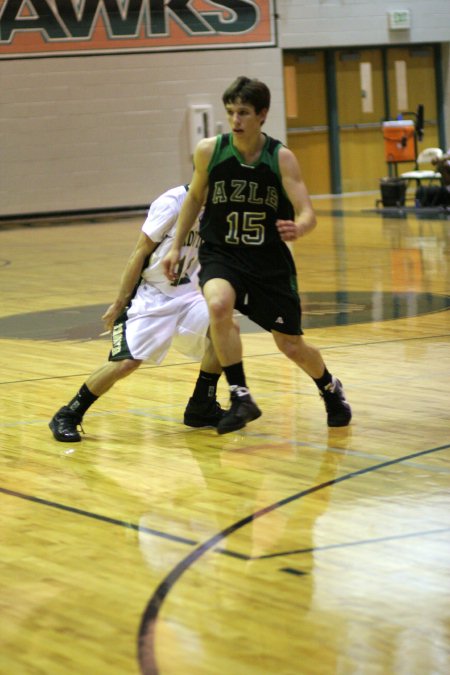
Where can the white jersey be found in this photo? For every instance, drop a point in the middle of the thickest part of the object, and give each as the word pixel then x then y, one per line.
pixel 160 226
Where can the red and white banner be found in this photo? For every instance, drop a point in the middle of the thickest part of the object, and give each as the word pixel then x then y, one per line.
pixel 30 28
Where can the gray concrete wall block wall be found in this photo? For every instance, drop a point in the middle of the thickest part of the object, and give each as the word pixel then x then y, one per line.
pixel 336 23
pixel 112 131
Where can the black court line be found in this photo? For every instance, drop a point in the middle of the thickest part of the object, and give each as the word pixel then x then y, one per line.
pixel 348 544
pixel 344 544
pixel 343 345
pixel 147 630
pixel 97 516
pixel 422 213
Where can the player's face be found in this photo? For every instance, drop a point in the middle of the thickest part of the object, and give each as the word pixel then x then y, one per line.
pixel 243 120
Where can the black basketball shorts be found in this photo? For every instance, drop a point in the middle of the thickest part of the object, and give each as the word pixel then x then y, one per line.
pixel 266 288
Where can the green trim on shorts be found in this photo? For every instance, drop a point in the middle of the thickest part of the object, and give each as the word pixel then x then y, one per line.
pixel 120 350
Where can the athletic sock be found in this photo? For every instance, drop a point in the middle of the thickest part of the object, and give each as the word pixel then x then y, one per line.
pixel 235 374
pixel 206 386
pixel 324 381
pixel 82 401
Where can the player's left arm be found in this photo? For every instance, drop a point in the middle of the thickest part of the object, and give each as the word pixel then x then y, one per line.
pixel 192 205
pixel 294 185
pixel 130 277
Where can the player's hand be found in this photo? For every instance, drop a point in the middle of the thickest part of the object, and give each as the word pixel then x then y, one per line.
pixel 289 231
pixel 111 315
pixel 170 264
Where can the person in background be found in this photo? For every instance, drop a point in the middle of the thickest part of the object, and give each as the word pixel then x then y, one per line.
pixel 436 195
pixel 148 316
pixel 256 203
pixel 442 164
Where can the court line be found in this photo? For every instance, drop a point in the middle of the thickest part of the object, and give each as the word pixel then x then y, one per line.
pixel 191 542
pixel 147 629
pixel 348 544
pixel 342 345
pixel 97 516
pixel 315 549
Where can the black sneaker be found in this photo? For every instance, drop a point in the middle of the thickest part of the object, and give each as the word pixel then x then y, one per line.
pixel 203 414
pixel 339 412
pixel 64 425
pixel 243 409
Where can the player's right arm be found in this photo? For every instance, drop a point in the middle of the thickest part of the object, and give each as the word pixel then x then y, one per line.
pixel 294 185
pixel 192 204
pixel 130 277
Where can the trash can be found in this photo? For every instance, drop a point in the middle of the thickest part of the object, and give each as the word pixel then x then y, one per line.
pixel 393 191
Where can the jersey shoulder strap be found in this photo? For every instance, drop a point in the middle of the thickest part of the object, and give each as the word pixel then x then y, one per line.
pixel 273 145
pixel 222 150
pixel 270 154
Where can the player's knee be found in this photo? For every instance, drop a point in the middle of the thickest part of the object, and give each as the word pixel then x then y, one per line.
pixel 219 309
pixel 291 347
pixel 290 350
pixel 128 366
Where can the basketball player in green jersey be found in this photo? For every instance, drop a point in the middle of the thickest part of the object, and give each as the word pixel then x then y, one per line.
pixel 256 202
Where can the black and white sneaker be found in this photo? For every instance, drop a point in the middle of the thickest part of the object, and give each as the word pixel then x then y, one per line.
pixel 243 409
pixel 338 409
pixel 203 414
pixel 64 425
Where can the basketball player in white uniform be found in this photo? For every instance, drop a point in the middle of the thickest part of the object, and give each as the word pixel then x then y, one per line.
pixel 149 315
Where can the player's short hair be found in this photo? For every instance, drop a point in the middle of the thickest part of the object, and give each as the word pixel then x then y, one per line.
pixel 248 91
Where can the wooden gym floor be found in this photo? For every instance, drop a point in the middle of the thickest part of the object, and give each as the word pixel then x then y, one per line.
pixel 287 548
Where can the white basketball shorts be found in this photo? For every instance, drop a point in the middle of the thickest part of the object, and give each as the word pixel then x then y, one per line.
pixel 155 322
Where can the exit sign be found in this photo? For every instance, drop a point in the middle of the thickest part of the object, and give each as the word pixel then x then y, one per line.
pixel 399 19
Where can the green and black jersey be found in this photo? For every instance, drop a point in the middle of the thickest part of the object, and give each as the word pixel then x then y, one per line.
pixel 240 241
pixel 244 200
